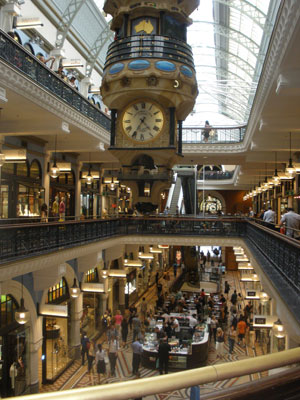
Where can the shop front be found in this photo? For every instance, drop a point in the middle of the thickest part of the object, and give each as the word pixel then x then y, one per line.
pixel 14 351
pixel 91 289
pixel 56 352
pixel 22 194
pixel 62 195
pixel 90 200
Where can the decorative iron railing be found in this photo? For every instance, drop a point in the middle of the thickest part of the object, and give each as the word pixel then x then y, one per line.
pixel 18 57
pixel 215 175
pixel 25 240
pixel 215 135
pixel 149 46
pixel 19 241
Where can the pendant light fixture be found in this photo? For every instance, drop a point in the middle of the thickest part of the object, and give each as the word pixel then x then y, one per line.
pixel 22 315
pixel 278 329
pixel 89 178
pixel 75 290
pixel 54 170
pixel 290 169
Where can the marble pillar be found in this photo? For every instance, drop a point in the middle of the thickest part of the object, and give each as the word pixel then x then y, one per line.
pixel 74 334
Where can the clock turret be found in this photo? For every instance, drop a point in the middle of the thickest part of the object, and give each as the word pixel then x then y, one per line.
pixel 149 80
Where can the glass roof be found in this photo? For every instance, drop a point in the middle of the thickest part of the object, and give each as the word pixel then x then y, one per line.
pixel 229 40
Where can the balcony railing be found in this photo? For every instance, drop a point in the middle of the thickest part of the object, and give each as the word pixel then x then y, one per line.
pixel 17 56
pixel 149 46
pixel 216 135
pixel 215 175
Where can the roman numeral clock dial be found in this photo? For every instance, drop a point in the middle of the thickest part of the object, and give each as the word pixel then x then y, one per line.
pixel 142 121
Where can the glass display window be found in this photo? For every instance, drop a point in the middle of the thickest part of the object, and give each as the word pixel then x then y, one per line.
pixel 57 354
pixel 4 193
pixel 22 169
pixel 29 201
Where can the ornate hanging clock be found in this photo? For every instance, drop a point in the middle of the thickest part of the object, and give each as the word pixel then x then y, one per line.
pixel 143 121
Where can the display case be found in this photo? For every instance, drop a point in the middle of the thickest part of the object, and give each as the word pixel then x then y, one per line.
pixel 184 354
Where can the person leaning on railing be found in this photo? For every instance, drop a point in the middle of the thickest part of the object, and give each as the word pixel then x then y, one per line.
pixel 292 223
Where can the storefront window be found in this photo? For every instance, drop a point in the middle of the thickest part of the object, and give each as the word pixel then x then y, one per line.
pixel 14 351
pixel 4 201
pixel 22 169
pixel 91 303
pixel 58 354
pixel 29 201
pixel 7 310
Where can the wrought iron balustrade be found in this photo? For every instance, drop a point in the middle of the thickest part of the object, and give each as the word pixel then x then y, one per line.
pixel 150 46
pixel 25 240
pixel 274 251
pixel 17 56
pixel 215 175
pixel 216 135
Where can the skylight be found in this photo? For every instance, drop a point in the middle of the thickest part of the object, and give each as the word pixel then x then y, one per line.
pixel 229 40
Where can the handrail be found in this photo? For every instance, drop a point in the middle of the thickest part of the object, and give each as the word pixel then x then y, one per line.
pixel 166 383
pixel 16 55
pixel 216 134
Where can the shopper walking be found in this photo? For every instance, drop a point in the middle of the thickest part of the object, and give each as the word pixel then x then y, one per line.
pixel 100 362
pixel 231 338
pixel 124 331
pixel 113 354
pixel 85 344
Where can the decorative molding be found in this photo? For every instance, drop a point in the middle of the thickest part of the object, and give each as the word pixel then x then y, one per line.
pixel 20 84
pixel 199 148
pixel 287 23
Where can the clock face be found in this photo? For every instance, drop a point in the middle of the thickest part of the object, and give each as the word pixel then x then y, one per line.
pixel 142 121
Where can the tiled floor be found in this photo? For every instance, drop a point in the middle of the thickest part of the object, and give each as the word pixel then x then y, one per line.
pixel 76 376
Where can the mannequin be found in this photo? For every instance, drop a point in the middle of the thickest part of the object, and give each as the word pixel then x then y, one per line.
pixel 62 209
pixel 55 207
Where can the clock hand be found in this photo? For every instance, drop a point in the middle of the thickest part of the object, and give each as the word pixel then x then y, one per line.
pixel 148 127
pixel 138 127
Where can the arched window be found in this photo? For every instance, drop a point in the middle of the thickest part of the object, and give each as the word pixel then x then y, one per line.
pixel 58 293
pixel 91 275
pixel 7 309
pixel 211 204
pixel 35 170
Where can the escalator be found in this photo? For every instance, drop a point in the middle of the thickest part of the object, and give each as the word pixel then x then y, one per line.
pixel 188 187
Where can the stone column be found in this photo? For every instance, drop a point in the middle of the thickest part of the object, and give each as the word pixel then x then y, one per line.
pixel 59 54
pixel 84 86
pixel 36 341
pixel 110 294
pixel 74 334
pixel 122 284
pixel 103 304
pixel 7 13
pixel 77 190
